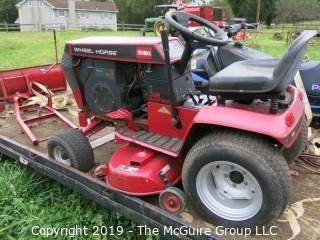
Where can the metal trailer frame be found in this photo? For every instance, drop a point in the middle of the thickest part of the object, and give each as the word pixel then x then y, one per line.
pixel 133 208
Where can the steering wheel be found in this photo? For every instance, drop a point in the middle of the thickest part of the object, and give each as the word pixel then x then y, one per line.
pixel 179 20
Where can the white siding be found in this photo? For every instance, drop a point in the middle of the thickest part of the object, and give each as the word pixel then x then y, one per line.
pixel 35 15
pixel 46 17
pixel 92 18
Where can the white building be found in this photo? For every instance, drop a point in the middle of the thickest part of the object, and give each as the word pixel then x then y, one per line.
pixel 41 15
pixel 200 2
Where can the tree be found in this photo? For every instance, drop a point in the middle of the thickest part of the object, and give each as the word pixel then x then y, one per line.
pixel 258 11
pixel 8 11
pixel 135 11
pixel 226 6
pixel 293 11
pixel 249 9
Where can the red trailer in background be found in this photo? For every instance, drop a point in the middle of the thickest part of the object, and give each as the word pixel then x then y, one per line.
pixel 211 14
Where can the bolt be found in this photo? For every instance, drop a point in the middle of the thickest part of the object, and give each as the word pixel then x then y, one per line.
pixel 246 183
pixel 234 185
pixel 225 192
pixel 226 175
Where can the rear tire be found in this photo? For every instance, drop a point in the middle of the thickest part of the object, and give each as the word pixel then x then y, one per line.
pixel 253 175
pixel 292 153
pixel 72 148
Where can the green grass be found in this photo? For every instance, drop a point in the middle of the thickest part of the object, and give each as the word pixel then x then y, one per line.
pixel 264 42
pixel 27 198
pixel 29 49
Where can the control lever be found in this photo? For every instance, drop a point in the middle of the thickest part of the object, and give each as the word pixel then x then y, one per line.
pixel 198 93
pixel 189 94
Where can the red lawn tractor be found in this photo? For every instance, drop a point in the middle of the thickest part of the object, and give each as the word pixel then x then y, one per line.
pixel 227 145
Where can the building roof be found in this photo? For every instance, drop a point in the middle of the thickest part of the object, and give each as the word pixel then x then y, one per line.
pixel 83 5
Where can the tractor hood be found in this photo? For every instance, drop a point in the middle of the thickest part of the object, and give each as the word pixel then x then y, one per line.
pixel 126 49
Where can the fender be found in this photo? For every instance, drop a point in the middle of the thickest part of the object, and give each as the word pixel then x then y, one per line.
pixel 283 127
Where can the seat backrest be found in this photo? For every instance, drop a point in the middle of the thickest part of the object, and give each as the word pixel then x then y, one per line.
pixel 289 64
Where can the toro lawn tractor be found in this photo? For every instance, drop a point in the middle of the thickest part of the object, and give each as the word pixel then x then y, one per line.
pixel 225 145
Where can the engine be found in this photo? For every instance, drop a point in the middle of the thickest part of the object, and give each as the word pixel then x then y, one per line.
pixel 107 73
pixel 111 85
pixel 107 85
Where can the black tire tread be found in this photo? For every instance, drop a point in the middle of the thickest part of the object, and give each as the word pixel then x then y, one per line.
pixel 292 153
pixel 78 147
pixel 247 143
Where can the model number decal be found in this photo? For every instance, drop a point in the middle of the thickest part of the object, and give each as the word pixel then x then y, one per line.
pixel 101 52
pixel 144 53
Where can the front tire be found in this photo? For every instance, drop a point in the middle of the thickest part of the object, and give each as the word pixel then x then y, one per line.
pixel 236 179
pixel 70 147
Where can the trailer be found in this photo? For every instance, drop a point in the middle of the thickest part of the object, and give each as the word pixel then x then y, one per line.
pixel 300 218
pixel 16 145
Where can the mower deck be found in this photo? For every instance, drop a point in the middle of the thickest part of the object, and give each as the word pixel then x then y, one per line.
pixel 16 145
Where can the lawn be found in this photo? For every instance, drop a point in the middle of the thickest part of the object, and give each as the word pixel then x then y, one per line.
pixel 27 49
pixel 27 198
pixel 264 42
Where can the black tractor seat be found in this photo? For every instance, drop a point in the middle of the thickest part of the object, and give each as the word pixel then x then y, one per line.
pixel 247 76
pixel 251 78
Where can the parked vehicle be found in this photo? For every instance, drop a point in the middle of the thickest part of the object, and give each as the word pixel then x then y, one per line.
pixel 210 13
pixel 228 145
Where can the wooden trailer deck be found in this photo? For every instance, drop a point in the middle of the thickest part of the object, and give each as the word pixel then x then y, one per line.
pixel 301 220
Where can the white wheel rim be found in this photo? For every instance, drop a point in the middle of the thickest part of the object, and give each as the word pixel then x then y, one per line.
pixel 229 191
pixel 60 155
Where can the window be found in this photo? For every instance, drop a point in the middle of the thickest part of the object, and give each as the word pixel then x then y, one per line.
pixel 61 13
pixel 40 4
pixel 29 3
pixel 107 15
pixel 82 14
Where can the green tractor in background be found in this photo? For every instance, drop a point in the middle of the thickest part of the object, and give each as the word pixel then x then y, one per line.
pixel 156 24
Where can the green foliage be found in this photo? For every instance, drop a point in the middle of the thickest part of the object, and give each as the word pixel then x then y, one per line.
pixel 244 9
pixel 281 10
pixel 248 9
pixel 8 11
pixel 226 6
pixel 293 11
pixel 135 11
